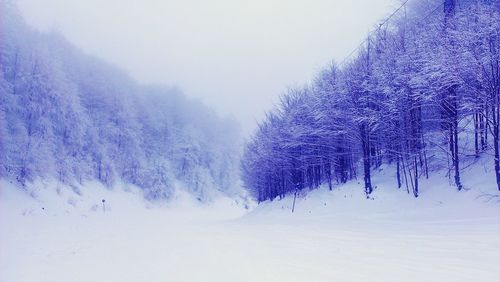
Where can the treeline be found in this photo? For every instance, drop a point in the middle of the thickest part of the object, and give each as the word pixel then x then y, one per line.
pixel 72 117
pixel 418 83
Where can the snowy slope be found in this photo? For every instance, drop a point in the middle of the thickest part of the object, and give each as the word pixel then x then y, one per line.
pixel 337 235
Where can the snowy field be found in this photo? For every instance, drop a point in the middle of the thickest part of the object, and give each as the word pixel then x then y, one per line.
pixel 333 236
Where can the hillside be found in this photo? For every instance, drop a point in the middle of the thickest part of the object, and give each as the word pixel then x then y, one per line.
pixel 421 93
pixel 74 118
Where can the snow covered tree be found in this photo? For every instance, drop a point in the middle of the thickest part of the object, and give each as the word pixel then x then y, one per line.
pixel 71 117
pixel 408 95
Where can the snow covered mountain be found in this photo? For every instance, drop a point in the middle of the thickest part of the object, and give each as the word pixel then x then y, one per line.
pixel 70 117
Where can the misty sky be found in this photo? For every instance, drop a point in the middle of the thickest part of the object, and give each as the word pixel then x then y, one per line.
pixel 236 56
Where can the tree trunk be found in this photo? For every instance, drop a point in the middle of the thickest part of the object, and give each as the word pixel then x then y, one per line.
pixel 497 156
pixel 366 160
pixel 454 127
pixel 495 109
pixel 415 188
pixel 476 134
pixel 398 171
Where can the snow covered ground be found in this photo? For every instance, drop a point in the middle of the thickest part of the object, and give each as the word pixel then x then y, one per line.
pixel 333 236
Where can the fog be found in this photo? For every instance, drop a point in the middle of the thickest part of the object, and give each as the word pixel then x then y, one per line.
pixel 235 56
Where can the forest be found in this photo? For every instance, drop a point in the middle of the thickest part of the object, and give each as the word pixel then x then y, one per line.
pixel 116 164
pixel 421 93
pixel 71 117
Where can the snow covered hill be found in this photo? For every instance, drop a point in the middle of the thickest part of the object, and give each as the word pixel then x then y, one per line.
pixel 444 235
pixel 69 116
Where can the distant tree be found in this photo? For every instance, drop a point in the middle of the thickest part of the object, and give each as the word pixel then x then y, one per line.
pixel 70 117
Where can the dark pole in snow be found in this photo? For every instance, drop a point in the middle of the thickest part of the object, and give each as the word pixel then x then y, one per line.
pixel 294 197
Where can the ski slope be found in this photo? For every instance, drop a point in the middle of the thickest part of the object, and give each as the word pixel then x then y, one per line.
pixel 335 235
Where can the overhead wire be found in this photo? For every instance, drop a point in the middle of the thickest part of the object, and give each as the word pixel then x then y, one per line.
pixel 361 44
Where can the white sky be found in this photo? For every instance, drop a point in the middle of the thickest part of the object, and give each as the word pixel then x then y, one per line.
pixel 236 56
